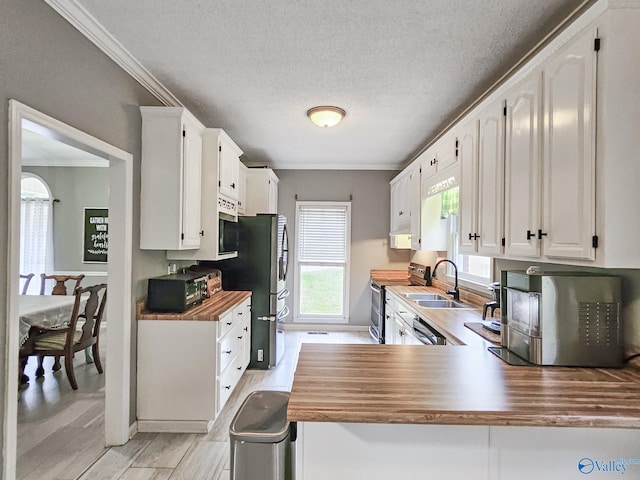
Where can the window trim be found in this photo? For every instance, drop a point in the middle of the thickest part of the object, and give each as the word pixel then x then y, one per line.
pixel 323 319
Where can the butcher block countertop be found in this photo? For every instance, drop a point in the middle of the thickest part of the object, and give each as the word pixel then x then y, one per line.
pixel 209 310
pixel 455 385
pixel 448 321
pixel 390 277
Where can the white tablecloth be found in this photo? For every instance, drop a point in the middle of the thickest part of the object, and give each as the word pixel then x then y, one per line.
pixel 52 311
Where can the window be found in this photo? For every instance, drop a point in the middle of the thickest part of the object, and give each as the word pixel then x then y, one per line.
pixel 36 228
pixel 323 238
pixel 472 268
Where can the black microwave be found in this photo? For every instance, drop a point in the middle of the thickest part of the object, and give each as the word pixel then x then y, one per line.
pixel 228 237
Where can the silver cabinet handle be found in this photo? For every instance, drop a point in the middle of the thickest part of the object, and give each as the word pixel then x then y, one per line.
pixel 268 318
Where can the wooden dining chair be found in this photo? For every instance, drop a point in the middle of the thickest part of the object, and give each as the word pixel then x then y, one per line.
pixel 27 280
pixel 60 287
pixel 67 341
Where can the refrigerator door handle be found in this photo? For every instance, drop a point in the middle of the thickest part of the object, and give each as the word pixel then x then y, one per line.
pixel 283 294
pixel 283 314
pixel 268 318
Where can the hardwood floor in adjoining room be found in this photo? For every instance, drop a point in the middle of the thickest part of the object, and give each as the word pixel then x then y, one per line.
pixel 61 431
pixel 172 456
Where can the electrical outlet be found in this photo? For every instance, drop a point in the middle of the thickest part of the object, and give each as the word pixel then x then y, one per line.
pixel 260 355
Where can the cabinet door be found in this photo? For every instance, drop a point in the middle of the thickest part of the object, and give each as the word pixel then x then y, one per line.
pixel 522 168
pixel 569 150
pixel 228 169
pixel 490 224
pixel 447 153
pixel 242 188
pixel 395 207
pixel 468 155
pixel 273 196
pixel 398 327
pixel 414 207
pixel 191 201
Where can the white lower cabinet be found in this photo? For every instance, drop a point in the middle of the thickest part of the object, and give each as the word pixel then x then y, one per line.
pixel 187 369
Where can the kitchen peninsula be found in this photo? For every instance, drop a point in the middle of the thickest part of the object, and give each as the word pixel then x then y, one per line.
pixel 451 412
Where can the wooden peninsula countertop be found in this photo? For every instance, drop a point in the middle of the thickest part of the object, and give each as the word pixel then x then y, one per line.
pixel 209 310
pixel 455 385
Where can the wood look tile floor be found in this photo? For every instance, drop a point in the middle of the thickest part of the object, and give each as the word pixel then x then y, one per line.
pixel 61 431
pixel 179 456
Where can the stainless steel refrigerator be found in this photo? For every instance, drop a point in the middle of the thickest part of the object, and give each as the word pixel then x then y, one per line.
pixel 261 267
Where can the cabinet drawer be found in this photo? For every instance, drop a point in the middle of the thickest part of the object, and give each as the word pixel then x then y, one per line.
pixel 242 311
pixel 227 322
pixel 228 380
pixel 229 348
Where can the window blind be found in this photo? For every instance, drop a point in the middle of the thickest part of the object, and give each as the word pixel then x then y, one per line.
pixel 322 233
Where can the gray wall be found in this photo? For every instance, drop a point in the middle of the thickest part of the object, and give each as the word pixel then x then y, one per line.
pixel 47 64
pixel 76 188
pixel 630 292
pixel 369 224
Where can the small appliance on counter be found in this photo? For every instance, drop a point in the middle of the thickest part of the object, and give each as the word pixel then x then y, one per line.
pixel 177 292
pixel 561 318
pixel 213 277
pixel 492 325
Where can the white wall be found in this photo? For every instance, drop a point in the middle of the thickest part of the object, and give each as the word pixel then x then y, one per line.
pixel 369 224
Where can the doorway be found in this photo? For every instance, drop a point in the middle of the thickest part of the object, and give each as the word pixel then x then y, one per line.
pixel 120 173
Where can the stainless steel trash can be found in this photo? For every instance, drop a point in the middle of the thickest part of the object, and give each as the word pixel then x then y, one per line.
pixel 262 440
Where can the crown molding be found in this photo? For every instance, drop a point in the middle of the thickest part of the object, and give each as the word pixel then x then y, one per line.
pixel 321 166
pixel 87 24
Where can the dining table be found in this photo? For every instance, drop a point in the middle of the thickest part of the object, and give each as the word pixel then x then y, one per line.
pixel 49 311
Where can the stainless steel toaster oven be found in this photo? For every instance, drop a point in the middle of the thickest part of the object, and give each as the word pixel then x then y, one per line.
pixel 177 292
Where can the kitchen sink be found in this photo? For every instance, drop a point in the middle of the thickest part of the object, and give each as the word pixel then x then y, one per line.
pixel 424 296
pixel 439 304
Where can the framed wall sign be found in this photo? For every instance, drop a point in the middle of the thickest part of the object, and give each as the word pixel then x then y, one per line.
pixel 95 243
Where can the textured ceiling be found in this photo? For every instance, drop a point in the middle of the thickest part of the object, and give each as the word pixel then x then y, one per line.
pixel 402 69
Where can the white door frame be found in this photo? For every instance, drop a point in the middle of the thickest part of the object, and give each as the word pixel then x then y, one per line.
pixel 118 371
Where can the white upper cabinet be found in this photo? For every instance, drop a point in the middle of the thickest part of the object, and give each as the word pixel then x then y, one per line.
pixel 439 157
pixel 468 209
pixel 481 151
pixel 262 191
pixel 568 153
pixel 414 207
pixel 400 207
pixel 490 224
pixel 523 168
pixel 229 166
pixel 170 179
pixel 213 203
pixel 242 188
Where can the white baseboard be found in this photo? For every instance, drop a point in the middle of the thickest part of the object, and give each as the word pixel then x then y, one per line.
pixel 323 327
pixel 175 426
pixel 133 429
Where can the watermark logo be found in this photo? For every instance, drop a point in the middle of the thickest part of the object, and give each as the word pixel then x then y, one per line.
pixel 586 465
pixel 620 466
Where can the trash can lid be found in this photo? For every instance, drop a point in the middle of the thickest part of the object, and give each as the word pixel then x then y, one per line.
pixel 262 418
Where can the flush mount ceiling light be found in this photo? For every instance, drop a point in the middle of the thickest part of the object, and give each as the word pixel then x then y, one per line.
pixel 325 116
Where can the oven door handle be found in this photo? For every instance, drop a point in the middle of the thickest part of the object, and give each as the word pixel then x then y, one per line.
pixel 375 288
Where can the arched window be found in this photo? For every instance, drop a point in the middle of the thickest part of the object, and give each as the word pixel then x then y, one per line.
pixel 36 228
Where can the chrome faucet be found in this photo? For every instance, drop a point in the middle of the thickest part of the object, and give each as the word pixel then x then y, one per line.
pixel 455 292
